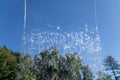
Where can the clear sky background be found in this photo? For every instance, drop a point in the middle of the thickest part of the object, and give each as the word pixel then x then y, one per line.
pixel 65 13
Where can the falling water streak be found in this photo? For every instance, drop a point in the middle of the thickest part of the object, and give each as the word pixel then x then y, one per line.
pixel 24 14
pixel 24 29
pixel 97 34
pixel 95 12
pixel 24 33
pixel 24 38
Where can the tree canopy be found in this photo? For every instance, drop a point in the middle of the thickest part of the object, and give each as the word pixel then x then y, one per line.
pixel 111 64
pixel 49 64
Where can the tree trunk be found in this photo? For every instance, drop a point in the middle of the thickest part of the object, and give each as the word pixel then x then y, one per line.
pixel 114 74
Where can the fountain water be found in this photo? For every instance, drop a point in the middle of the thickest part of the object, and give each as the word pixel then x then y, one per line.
pixel 84 40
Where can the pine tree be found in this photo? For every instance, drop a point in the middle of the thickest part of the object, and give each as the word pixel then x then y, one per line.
pixel 111 64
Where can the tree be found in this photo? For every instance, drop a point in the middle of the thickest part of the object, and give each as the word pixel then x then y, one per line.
pixel 71 65
pixel 8 64
pixel 87 73
pixel 14 66
pixel 50 65
pixel 25 68
pixel 111 64
pixel 46 64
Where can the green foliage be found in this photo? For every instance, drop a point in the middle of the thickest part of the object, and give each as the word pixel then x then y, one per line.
pixel 47 65
pixel 50 65
pixel 111 64
pixel 14 66
pixel 8 64
pixel 25 66
pixel 87 73
pixel 70 67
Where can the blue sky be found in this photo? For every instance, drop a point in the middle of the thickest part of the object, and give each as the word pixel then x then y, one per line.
pixel 65 13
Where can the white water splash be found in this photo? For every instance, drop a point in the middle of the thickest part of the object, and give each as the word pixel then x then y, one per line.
pixel 85 41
